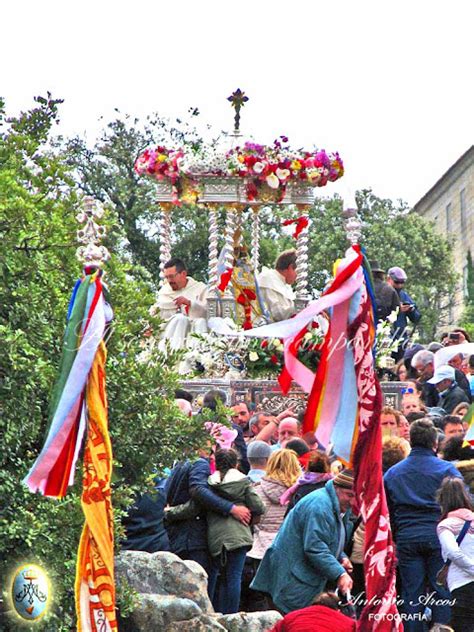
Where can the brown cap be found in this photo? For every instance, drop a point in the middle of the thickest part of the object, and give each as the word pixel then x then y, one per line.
pixel 345 479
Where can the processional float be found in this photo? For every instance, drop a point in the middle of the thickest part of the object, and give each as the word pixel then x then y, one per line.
pixel 234 180
pixel 345 398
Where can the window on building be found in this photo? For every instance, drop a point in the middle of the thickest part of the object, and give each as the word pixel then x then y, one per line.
pixel 462 204
pixel 449 223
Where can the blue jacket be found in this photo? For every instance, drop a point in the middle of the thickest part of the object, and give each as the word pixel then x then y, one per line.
pixel 189 480
pixel 411 487
pixel 403 317
pixel 302 558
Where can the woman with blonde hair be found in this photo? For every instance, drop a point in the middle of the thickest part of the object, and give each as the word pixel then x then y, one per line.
pixel 282 472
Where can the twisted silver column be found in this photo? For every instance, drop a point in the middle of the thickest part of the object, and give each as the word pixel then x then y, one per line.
pixel 302 264
pixel 255 240
pixel 230 225
pixel 213 248
pixel 165 241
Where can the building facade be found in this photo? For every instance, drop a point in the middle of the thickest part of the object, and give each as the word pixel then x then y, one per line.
pixel 450 205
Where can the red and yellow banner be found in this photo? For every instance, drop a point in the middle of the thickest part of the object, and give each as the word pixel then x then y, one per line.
pixel 95 591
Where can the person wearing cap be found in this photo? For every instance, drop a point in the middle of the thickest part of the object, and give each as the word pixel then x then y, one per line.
pixel 411 486
pixel 450 395
pixel 308 551
pixel 386 297
pixel 258 453
pixel 396 277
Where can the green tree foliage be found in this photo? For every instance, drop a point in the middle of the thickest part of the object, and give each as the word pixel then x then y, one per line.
pixel 38 204
pixel 106 171
pixel 467 318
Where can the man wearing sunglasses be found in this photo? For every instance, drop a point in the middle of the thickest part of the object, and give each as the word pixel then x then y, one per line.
pixel 396 277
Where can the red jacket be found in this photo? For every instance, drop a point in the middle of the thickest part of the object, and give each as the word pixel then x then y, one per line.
pixel 315 619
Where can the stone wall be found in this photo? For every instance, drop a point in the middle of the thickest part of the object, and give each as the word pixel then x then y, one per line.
pixel 442 204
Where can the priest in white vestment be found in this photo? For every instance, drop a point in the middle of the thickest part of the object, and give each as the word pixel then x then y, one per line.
pixel 275 286
pixel 182 303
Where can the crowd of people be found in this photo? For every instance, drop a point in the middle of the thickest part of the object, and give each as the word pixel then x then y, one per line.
pixel 269 513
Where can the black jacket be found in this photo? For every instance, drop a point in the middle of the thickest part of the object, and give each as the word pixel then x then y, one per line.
pixel 452 398
pixel 241 448
pixel 463 382
pixel 189 480
pixel 386 299
pixel 430 395
pixel 144 526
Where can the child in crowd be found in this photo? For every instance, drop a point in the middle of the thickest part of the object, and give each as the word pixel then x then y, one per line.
pixel 317 474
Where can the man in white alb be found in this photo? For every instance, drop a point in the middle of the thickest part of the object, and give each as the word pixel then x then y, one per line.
pixel 182 303
pixel 275 286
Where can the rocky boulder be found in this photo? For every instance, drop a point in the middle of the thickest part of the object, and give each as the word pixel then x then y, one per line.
pixel 172 597
pixel 249 621
pixel 164 574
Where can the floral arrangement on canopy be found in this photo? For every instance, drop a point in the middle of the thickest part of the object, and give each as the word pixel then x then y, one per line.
pixel 276 166
pixel 266 169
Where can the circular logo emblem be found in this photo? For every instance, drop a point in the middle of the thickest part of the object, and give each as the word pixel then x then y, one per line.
pixel 30 592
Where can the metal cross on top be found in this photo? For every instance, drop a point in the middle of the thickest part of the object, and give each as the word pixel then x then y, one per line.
pixel 237 99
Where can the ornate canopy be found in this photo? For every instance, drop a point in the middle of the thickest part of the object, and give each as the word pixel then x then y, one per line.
pixel 236 176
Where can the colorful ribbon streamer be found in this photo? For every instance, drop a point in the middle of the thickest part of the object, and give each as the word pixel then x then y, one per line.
pixel 301 223
pixel 344 409
pixel 79 403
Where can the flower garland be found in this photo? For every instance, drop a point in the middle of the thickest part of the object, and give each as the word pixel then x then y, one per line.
pixel 266 169
pixel 162 164
pixel 277 165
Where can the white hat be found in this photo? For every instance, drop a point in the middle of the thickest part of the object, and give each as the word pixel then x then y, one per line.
pixel 443 372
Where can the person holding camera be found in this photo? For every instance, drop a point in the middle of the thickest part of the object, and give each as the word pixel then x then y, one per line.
pixel 396 277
